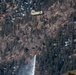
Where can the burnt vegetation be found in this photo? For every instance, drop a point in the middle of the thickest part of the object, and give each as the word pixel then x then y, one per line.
pixel 52 35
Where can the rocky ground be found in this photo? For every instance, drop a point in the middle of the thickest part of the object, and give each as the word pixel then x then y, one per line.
pixel 50 35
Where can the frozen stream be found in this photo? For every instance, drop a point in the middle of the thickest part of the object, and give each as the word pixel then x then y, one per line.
pixel 28 69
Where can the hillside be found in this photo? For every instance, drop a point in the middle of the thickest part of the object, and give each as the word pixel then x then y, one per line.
pixel 51 35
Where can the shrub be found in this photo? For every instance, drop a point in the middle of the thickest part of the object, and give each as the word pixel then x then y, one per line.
pixel 71 73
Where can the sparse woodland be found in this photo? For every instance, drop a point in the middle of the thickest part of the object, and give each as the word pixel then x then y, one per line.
pixel 52 35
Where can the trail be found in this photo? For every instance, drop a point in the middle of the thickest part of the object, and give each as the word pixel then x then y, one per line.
pixel 28 69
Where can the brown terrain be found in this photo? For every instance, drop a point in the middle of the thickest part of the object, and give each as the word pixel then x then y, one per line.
pixel 21 36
